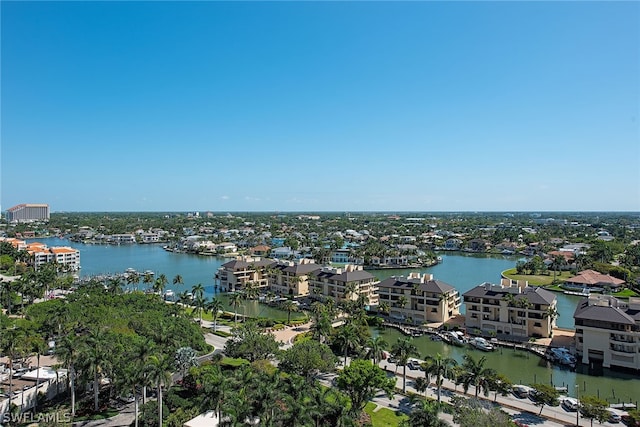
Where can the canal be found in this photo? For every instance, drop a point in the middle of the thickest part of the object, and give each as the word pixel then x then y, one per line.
pixel 461 270
pixel 523 367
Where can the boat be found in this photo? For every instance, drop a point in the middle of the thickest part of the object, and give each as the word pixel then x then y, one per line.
pixel 562 356
pixel 481 344
pixel 585 292
pixel 169 295
pixel 455 338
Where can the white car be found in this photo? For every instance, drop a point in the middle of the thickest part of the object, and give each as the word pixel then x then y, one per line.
pixel 614 416
pixel 570 404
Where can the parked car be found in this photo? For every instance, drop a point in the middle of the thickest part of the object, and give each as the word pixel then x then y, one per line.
pixel 415 365
pixel 570 404
pixel 614 417
pixel 520 391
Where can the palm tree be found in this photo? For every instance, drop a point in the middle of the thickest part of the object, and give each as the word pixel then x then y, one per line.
pixel 95 357
pixel 476 374
pixel 141 353
pixel 200 305
pixel 197 290
pixel 348 339
pixel 177 280
pixel 426 414
pixel 294 282
pixel 251 290
pixel 321 326
pixel 384 308
pixel 147 279
pixel 67 352
pixel 440 367
pixel 11 343
pixel 115 285
pixel 159 369
pixel 133 278
pixel 215 306
pixel 130 381
pixel 556 264
pixel 552 313
pixel 377 346
pixel 402 301
pixel 39 346
pixel 402 351
pixel 160 284
pixel 350 289
pixel 289 306
pixel 235 299
pixel 421 384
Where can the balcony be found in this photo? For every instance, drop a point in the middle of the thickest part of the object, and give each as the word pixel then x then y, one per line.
pixel 622 349
pixel 622 338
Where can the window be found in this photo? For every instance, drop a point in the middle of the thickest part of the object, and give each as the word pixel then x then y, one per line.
pixel 537 324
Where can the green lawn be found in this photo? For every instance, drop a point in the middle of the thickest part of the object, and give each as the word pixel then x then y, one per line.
pixel 538 279
pixel 625 293
pixel 384 417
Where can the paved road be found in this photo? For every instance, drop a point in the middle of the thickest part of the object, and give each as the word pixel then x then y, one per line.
pixel 521 409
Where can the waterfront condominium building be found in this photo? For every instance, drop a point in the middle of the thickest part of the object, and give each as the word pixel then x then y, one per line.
pixel 65 258
pixel 28 212
pixel 419 299
pixel 511 310
pixel 343 283
pixel 289 278
pixel 234 275
pixel 608 332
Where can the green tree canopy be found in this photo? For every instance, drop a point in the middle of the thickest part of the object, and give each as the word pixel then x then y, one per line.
pixel 307 358
pixel 361 380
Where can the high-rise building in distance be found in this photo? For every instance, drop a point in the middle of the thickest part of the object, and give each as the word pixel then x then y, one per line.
pixel 28 212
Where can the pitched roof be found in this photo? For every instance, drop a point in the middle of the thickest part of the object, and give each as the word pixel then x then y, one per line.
pixel 348 276
pixel 301 269
pixel 434 286
pixel 603 313
pixel 590 277
pixel 533 294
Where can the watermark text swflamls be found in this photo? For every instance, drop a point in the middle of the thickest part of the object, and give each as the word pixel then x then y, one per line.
pixel 28 418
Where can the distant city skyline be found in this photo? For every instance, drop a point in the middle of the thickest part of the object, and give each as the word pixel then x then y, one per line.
pixel 321 106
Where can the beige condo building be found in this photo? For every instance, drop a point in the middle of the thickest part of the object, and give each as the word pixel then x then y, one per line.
pixel 608 332
pixel 419 299
pixel 510 310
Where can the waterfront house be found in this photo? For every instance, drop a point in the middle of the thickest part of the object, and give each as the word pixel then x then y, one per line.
pixel 608 332
pixel 291 278
pixel 512 309
pixel 340 256
pixel 593 281
pixel 343 283
pixel 126 238
pixel 425 300
pixel 260 250
pixel 477 245
pixel 282 252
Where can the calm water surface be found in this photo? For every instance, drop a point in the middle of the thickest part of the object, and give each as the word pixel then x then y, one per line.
pixel 461 270
pixel 522 367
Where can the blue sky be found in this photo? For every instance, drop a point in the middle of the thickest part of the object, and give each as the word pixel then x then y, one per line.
pixel 321 106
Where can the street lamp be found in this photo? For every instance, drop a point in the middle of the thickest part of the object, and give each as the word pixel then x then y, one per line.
pixel 578 408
